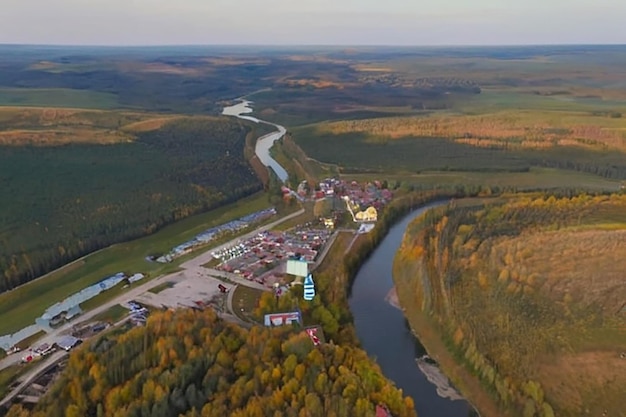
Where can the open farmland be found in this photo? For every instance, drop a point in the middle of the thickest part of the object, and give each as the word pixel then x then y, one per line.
pixel 81 180
pixel 529 295
pixel 38 126
pixel 534 178
pixel 58 97
pixel 506 129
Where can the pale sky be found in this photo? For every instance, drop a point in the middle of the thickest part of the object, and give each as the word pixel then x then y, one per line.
pixel 312 22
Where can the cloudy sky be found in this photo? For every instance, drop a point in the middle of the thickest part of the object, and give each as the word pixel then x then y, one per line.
pixel 318 22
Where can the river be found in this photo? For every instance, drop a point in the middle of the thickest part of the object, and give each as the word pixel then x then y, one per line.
pixel 382 328
pixel 264 143
pixel 385 333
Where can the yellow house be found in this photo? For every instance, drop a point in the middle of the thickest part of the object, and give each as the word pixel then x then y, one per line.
pixel 369 215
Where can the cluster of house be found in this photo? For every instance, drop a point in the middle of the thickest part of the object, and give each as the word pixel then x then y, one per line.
pixel 370 194
pixel 374 193
pixel 363 201
pixel 269 249
pixel 215 232
pixel 66 343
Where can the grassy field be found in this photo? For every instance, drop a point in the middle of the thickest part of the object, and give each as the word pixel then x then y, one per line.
pixel 305 217
pixel 10 375
pixel 161 287
pixel 245 301
pixel 58 97
pixel 112 315
pixel 502 141
pixel 527 294
pixel 38 126
pixel 29 301
pixel 28 342
pixel 535 178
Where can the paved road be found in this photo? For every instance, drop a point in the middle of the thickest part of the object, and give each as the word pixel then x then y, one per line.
pixel 29 377
pixel 136 290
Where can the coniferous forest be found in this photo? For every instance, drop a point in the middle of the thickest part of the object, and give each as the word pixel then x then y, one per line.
pixel 62 202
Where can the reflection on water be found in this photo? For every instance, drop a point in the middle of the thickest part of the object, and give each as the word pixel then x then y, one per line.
pixel 385 333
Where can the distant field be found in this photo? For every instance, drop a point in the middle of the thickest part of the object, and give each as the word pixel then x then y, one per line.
pixel 510 99
pixel 501 141
pixel 535 178
pixel 20 307
pixel 58 97
pixel 37 126
pixel 529 129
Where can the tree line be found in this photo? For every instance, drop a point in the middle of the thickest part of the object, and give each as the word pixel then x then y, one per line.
pixel 65 202
pixel 192 363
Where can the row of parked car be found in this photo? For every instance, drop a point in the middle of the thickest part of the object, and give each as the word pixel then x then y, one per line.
pixel 138 313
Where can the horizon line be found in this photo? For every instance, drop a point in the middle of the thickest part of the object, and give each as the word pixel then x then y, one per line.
pixel 295 45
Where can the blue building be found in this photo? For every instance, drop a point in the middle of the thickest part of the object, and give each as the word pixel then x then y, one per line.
pixel 309 288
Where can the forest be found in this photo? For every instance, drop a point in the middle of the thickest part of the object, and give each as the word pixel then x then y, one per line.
pixel 510 141
pixel 66 200
pixel 527 293
pixel 190 363
pixel 182 361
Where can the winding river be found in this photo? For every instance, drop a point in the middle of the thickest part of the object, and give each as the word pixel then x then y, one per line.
pixel 382 328
pixel 386 336
pixel 264 143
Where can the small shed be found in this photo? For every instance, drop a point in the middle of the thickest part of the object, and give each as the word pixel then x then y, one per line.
pixel 68 342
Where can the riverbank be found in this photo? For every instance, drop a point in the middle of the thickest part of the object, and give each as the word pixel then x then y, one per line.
pixel 428 334
pixel 264 143
pixel 381 328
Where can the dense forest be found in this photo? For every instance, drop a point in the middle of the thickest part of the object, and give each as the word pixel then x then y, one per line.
pixel 527 292
pixel 62 202
pixel 191 363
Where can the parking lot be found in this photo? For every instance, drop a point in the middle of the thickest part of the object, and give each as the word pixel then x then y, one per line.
pixel 254 258
pixel 191 288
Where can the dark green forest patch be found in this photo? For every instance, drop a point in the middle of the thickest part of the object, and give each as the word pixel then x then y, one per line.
pixel 62 202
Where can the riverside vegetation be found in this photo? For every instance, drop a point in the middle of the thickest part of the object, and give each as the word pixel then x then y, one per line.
pixel 528 294
pixel 183 361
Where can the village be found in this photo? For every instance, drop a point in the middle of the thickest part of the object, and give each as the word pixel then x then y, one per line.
pixel 266 260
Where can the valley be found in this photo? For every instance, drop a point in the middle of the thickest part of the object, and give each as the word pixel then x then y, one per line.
pixel 509 285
